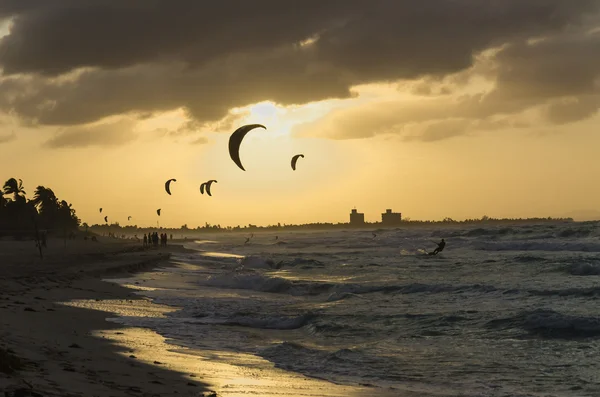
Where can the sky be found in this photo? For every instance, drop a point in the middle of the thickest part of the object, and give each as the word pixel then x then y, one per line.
pixel 433 108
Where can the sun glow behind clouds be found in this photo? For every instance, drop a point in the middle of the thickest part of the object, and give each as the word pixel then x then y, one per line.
pixel 280 120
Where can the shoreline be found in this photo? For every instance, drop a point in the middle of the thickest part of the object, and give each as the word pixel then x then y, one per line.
pixel 56 320
pixel 56 343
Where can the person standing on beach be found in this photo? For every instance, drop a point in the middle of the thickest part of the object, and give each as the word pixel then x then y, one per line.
pixel 145 240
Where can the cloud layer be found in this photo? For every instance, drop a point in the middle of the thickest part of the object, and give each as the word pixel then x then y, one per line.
pixel 70 63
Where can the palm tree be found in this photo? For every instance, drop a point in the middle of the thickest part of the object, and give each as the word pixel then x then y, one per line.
pixel 67 216
pixel 45 200
pixel 12 187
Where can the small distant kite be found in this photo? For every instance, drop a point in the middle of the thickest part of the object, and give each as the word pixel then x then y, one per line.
pixel 106 219
pixel 208 186
pixel 235 140
pixel 129 218
pixel 158 211
pixel 168 185
pixel 295 160
pixel 100 210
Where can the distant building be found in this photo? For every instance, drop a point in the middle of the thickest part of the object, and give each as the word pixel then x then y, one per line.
pixel 357 218
pixel 390 218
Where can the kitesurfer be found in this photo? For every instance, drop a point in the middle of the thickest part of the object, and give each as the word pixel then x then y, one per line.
pixel 440 247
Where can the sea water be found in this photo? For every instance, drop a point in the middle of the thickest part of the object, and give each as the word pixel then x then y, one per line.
pixel 502 311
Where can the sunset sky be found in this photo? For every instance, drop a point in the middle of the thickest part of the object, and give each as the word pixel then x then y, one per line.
pixel 434 108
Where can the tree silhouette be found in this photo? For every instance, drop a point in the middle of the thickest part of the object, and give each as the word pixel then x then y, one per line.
pixel 19 216
pixel 44 199
pixel 15 188
pixel 47 205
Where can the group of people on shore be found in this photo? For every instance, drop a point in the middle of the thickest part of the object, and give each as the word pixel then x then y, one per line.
pixel 153 239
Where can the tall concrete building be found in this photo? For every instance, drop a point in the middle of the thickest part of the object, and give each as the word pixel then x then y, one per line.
pixel 389 218
pixel 357 218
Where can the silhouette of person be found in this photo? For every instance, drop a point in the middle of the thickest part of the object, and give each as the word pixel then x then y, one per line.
pixel 440 247
pixel 145 240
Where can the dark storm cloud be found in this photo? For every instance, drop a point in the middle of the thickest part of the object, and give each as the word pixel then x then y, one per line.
pixel 408 39
pixel 152 56
pixel 58 36
pixel 208 93
pixel 559 75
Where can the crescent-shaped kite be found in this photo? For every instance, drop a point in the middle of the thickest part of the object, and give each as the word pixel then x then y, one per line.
pixel 168 185
pixel 235 140
pixel 208 186
pixel 295 160
pixel 100 210
pixel 106 219
pixel 129 218
pixel 202 187
pixel 158 211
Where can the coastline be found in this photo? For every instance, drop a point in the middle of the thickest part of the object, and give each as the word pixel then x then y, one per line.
pixel 74 350
pixel 57 344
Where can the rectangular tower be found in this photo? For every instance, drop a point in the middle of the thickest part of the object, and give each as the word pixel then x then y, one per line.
pixel 357 218
pixel 389 218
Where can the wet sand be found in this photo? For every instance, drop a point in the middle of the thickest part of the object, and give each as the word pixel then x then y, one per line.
pixel 63 355
pixel 70 350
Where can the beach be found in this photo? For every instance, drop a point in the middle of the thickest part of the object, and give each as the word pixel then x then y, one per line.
pixel 501 312
pixel 61 356
pixel 53 318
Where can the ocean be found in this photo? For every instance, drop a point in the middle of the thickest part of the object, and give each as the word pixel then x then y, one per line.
pixel 502 311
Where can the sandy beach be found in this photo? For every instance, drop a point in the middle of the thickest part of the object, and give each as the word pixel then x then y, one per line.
pixel 59 354
pixel 63 348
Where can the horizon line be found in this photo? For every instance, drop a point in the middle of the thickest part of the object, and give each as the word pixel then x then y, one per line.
pixel 349 224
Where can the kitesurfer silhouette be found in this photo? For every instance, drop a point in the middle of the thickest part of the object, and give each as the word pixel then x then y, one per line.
pixel 440 248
